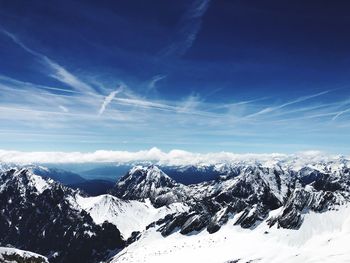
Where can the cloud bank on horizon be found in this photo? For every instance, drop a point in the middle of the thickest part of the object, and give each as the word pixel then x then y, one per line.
pixel 157 156
pixel 192 75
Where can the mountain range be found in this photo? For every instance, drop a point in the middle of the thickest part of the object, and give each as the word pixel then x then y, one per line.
pixel 293 210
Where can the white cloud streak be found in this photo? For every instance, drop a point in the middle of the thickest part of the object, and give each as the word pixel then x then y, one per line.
pixel 108 99
pixel 63 108
pixel 188 28
pixel 340 113
pixel 59 72
pixel 154 81
pixel 64 76
pixel 16 40
pixel 298 100
pixel 14 82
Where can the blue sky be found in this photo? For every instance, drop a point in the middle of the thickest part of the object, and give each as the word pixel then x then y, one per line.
pixel 203 76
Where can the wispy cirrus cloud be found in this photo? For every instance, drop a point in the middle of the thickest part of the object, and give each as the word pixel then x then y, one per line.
pixel 187 29
pixel 190 103
pixel 29 85
pixel 115 116
pixel 16 40
pixel 154 81
pixel 64 76
pixel 108 99
pixel 338 114
pixel 289 103
pixel 58 72
pixel 63 108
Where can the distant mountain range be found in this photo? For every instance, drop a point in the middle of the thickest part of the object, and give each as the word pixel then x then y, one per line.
pixel 287 211
pixel 73 180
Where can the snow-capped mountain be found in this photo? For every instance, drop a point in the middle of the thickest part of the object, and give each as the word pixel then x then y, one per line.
pixel 252 190
pixel 275 197
pixel 62 176
pixel 38 215
pixel 44 216
pixel 73 180
pixel 143 182
pixel 149 217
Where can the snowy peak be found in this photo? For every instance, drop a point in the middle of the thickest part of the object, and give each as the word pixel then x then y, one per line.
pixel 24 180
pixel 251 192
pixel 289 162
pixel 149 182
pixel 143 182
pixel 149 175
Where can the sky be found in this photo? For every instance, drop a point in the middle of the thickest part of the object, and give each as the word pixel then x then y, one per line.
pixel 242 76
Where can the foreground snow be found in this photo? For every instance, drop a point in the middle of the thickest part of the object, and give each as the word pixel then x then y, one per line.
pixel 127 216
pixel 322 238
pixel 9 255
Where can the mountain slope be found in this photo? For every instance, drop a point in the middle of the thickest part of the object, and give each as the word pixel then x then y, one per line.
pixel 321 238
pixel 276 211
pixel 10 255
pixel 128 216
pixel 252 199
pixel 255 191
pixel 40 215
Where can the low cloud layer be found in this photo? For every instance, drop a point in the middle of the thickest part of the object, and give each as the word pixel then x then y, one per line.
pixel 155 155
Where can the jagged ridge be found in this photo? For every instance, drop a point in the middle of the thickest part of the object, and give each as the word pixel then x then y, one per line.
pixel 250 191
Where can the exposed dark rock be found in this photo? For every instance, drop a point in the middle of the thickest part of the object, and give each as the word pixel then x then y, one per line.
pixel 255 190
pixel 44 221
pixel 20 259
pixel 148 182
pixel 133 237
pixel 251 216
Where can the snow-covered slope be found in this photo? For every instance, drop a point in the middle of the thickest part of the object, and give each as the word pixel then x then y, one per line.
pixel 11 255
pixel 278 210
pixel 127 216
pixel 322 238
pixel 254 212
pixel 254 190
